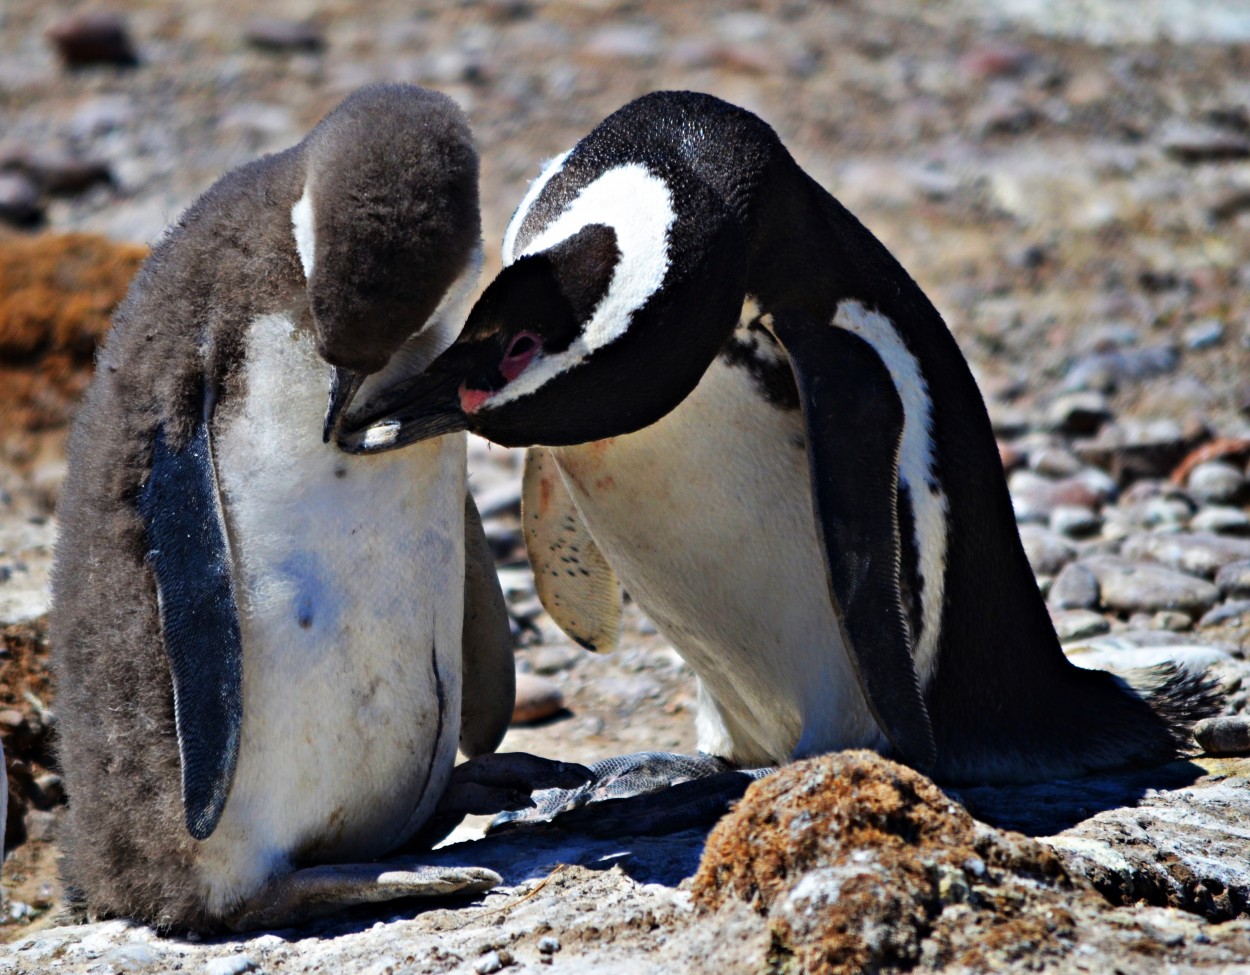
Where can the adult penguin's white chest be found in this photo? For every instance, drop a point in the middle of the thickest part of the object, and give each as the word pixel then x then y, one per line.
pixel 349 578
pixel 707 518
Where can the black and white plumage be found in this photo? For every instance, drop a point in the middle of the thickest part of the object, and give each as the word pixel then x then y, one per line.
pixel 267 652
pixel 760 422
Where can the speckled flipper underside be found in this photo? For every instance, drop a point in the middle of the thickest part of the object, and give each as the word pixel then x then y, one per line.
pixel 189 553
pixel 573 579
pixel 854 420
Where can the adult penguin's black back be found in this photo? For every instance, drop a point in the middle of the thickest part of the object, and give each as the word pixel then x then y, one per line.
pixel 1003 699
pixel 676 248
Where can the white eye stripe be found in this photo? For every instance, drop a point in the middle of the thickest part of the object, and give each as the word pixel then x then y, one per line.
pixel 638 207
pixel 302 227
pixel 552 167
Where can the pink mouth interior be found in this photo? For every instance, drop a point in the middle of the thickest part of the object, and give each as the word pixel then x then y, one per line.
pixel 471 400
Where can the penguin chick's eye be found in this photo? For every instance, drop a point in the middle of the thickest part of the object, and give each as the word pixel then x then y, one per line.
pixel 521 350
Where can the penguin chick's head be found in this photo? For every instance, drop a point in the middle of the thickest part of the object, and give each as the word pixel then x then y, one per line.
pixel 387 224
pixel 574 340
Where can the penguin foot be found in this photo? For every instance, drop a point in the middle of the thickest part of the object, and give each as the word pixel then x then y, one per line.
pixel 304 895
pixel 640 794
pixel 495 783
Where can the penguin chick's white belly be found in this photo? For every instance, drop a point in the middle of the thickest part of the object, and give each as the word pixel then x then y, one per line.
pixel 350 584
pixel 707 518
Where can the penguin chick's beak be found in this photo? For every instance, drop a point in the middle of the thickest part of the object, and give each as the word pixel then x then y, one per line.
pixel 419 408
pixel 344 384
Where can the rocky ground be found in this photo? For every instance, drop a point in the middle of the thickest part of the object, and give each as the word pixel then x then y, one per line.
pixel 1069 181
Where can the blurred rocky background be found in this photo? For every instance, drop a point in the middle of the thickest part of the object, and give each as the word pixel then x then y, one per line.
pixel 1068 180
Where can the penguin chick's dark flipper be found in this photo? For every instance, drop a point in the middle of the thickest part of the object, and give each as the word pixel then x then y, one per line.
pixel 190 556
pixel 854 420
pixel 488 688
pixel 295 898
pixel 682 791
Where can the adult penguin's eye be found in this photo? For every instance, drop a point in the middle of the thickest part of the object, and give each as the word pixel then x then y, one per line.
pixel 521 350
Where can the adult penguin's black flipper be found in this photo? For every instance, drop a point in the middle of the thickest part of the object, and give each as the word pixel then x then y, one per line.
pixel 189 553
pixel 854 420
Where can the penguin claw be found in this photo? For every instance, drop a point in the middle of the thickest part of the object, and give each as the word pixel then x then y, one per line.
pixel 639 794
pixel 305 895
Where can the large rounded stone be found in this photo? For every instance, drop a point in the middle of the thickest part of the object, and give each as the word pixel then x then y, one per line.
pixel 1046 551
pixel 1076 587
pixel 1217 482
pixel 1198 553
pixel 1141 587
pixel 1234 579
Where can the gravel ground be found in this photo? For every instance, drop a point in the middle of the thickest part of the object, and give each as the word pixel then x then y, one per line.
pixel 1069 181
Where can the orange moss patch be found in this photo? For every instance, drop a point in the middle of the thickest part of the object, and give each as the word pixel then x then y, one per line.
pixel 57 292
pixel 862 864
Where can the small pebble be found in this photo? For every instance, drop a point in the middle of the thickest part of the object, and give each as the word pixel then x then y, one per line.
pixel 1191 143
pixel 548 945
pixel 1222 520
pixel 1106 372
pixel 1079 624
pixel 1225 735
pixel 536 698
pixel 1034 497
pixel 1159 513
pixel 627 42
pixel 93 37
pixel 276 34
pixel 131 957
pixel 1075 521
pixel 1047 552
pixel 231 965
pixel 1217 482
pixel 1076 587
pixel 1205 334
pixel 1078 414
pixel 553 658
pixel 488 963
pixel 19 200
pixel 995 59
pixel 1170 620
pixel 1229 612
pixel 1234 579
pixel 1054 462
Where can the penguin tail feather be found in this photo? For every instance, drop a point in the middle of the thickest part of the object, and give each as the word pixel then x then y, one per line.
pixel 1179 697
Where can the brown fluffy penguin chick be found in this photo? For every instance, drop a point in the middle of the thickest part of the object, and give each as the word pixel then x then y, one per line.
pixel 259 639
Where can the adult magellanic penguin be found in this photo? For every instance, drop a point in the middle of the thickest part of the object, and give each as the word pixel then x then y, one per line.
pixel 756 419
pixel 258 640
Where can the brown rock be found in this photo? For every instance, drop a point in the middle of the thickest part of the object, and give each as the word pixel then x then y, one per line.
pixel 93 37
pixel 536 698
pixel 861 864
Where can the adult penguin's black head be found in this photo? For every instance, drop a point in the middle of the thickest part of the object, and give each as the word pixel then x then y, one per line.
pixel 604 319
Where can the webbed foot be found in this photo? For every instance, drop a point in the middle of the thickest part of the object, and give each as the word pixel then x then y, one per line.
pixel 493 783
pixel 304 895
pixel 639 794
